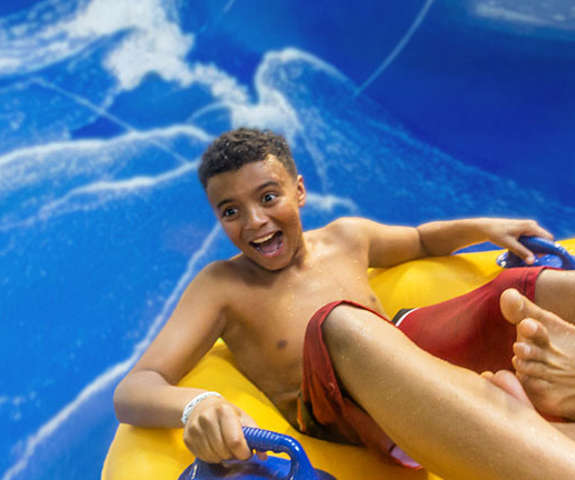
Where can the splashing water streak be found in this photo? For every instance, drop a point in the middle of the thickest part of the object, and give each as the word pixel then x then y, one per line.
pixel 397 49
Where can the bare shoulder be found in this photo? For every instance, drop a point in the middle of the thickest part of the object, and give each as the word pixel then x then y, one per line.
pixel 217 275
pixel 386 245
pixel 218 271
pixel 350 230
pixel 348 224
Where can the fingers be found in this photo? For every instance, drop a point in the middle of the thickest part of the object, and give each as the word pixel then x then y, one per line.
pixel 246 420
pixel 509 238
pixel 521 251
pixel 214 432
pixel 534 229
pixel 250 422
pixel 203 437
pixel 233 437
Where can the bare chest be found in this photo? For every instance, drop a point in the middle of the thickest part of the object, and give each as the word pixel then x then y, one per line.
pixel 266 326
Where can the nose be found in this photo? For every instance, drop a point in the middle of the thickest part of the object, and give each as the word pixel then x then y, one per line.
pixel 255 218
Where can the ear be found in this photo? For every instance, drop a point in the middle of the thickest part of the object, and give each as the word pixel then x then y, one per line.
pixel 300 191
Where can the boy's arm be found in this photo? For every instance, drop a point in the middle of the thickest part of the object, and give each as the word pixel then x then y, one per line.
pixel 390 245
pixel 149 397
pixel 445 237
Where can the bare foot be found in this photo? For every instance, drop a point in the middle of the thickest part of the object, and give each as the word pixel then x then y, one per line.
pixel 509 383
pixel 544 355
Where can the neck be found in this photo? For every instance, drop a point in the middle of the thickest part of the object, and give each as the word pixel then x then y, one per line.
pixel 301 256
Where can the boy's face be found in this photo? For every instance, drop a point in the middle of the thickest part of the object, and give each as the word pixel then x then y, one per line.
pixel 258 207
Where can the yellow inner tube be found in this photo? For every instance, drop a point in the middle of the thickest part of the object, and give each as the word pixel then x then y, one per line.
pixel 152 454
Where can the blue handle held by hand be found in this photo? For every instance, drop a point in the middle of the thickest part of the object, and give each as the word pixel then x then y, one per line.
pixel 263 440
pixel 275 468
pixel 554 255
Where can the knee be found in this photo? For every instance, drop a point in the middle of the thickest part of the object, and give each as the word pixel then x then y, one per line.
pixel 551 279
pixel 555 288
pixel 342 328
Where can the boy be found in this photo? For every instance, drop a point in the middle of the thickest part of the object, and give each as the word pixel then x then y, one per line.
pixel 261 301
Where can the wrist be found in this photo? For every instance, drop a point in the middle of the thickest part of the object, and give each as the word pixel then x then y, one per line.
pixel 194 402
pixel 474 230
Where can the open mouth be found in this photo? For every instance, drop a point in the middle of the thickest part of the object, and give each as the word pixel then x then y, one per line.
pixel 270 245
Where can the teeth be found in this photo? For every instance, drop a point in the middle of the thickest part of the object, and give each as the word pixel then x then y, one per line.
pixel 264 239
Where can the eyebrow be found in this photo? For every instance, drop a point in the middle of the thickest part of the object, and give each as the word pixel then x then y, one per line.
pixel 261 187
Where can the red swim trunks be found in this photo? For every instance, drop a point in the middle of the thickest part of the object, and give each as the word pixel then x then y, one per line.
pixel 468 331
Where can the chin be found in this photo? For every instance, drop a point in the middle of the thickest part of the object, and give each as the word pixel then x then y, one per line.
pixel 271 264
pixel 273 267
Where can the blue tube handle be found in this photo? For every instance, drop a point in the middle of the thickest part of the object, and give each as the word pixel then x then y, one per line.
pixel 266 440
pixel 555 254
pixel 263 440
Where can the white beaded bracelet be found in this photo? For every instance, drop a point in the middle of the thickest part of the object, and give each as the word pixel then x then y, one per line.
pixel 193 403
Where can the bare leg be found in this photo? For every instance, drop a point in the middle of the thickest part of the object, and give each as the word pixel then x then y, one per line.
pixel 454 422
pixel 544 354
pixel 508 382
pixel 555 291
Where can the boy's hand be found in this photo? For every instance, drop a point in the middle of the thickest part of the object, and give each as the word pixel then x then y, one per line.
pixel 213 432
pixel 505 233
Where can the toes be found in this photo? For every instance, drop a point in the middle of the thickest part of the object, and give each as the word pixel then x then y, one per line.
pixel 516 307
pixel 530 309
pixel 512 305
pixel 531 331
pixel 528 351
pixel 531 369
pixel 535 387
pixel 541 394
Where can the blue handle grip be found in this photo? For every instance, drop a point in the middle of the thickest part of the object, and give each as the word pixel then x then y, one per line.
pixel 266 440
pixel 554 255
pixel 300 467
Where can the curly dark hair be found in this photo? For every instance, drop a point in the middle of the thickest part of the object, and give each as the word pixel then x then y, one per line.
pixel 232 150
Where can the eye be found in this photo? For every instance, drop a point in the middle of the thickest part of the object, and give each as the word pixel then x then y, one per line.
pixel 229 212
pixel 269 197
